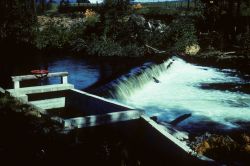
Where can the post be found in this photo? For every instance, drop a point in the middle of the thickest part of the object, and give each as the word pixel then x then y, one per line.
pixel 16 84
pixel 64 79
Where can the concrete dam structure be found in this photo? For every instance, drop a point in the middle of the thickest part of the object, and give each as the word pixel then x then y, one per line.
pixel 76 109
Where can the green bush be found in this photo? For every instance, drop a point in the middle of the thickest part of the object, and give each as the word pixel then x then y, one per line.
pixel 182 33
pixel 59 34
pixel 245 8
pixel 91 18
pixel 17 21
pixel 133 50
pixel 104 47
pixel 52 36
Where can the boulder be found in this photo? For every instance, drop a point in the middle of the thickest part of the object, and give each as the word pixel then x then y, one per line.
pixel 138 20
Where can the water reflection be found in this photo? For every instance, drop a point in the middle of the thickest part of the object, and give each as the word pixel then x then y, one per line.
pixel 81 75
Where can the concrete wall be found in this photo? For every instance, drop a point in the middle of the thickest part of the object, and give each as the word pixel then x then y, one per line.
pixel 165 149
pixel 91 104
pixel 145 145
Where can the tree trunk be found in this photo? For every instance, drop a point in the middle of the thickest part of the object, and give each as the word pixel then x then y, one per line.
pixel 34 6
pixel 238 16
pixel 42 5
pixel 188 4
pixel 238 8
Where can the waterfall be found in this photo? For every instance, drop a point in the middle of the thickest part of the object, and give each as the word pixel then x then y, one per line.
pixel 137 78
pixel 175 87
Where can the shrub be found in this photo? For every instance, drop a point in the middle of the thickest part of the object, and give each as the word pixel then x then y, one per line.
pixel 182 34
pixel 133 50
pixel 52 36
pixel 91 17
pixel 78 45
pixel 104 47
pixel 137 6
pixel 192 50
pixel 59 32
pixel 17 21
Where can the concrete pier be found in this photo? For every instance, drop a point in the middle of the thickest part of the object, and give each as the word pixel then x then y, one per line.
pixel 22 92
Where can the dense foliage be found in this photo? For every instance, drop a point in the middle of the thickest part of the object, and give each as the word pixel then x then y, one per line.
pixel 120 29
pixel 17 18
pixel 58 32
pixel 183 33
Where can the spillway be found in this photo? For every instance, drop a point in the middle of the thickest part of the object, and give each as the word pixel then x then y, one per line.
pixel 217 99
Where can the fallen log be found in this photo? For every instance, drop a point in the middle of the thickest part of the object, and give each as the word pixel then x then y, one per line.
pixel 155 49
pixel 180 119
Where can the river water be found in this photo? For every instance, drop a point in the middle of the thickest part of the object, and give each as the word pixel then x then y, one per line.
pixel 84 73
pixel 216 99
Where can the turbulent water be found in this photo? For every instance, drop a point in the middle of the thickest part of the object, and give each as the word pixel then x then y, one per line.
pixel 214 97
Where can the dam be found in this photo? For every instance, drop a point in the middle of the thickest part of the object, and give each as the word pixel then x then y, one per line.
pixel 76 109
pixel 166 101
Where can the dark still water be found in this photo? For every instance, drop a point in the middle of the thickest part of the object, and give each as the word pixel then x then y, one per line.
pixel 83 72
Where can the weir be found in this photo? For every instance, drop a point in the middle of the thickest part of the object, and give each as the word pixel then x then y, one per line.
pixel 122 87
pixel 180 88
pixel 77 109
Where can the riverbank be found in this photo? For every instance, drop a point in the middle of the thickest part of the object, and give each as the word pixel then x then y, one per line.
pixel 237 60
pixel 229 148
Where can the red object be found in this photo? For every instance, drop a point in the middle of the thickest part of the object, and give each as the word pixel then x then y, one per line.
pixel 39 71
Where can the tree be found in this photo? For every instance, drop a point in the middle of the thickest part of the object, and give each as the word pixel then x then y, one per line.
pixel 42 4
pixel 188 4
pixel 118 4
pixel 17 18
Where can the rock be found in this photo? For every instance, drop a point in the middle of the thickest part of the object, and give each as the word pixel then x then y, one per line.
pixel 148 26
pixel 224 143
pixel 246 138
pixel 138 20
pixel 18 110
pixel 213 143
pixel 2 90
pixel 203 147
pixel 46 130
pixel 246 148
pixel 33 113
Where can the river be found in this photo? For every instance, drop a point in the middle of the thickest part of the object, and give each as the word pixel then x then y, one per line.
pixel 217 99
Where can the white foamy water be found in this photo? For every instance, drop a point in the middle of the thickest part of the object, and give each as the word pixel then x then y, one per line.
pixel 179 93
